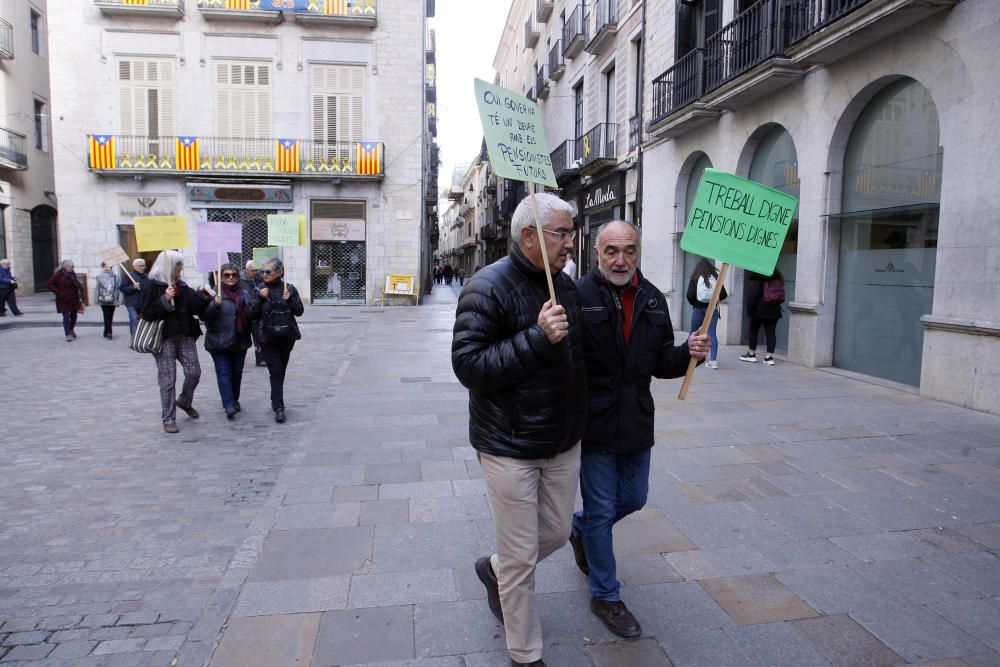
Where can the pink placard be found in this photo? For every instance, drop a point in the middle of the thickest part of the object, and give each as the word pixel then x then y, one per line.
pixel 208 262
pixel 220 237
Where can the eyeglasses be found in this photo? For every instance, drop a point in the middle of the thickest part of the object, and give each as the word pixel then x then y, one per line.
pixel 230 275
pixel 266 271
pixel 562 234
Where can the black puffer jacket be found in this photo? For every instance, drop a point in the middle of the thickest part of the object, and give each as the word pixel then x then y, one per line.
pixel 179 317
pixel 527 397
pixel 620 418
pixel 220 322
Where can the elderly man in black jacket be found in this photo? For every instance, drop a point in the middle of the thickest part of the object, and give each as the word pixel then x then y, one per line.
pixel 521 357
pixel 627 339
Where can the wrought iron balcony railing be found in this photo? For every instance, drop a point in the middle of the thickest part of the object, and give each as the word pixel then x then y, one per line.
pixel 531 33
pixel 598 144
pixel 603 24
pixel 557 65
pixel 634 132
pixel 164 8
pixel 574 34
pixel 564 161
pixel 13 150
pixel 804 17
pixel 541 82
pixel 219 155
pixel 742 44
pixel 6 40
pixel 349 11
pixel 678 86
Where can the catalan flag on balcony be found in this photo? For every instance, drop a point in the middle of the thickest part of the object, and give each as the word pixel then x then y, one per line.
pixel 287 154
pixel 102 151
pixel 369 157
pixel 333 7
pixel 239 4
pixel 928 182
pixel 188 156
pixel 135 2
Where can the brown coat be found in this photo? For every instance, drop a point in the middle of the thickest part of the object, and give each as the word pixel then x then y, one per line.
pixel 67 289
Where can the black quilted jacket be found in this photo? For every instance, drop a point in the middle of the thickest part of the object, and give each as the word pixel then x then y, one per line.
pixel 527 397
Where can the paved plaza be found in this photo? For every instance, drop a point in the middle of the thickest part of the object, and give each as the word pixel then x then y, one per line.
pixel 796 517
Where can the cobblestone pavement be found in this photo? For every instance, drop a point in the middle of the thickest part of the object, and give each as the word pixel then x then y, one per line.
pixel 796 517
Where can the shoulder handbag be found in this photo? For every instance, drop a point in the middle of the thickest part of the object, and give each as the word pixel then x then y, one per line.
pixel 148 336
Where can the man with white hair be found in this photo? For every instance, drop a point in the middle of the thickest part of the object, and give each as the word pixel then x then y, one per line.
pixel 132 289
pixel 8 285
pixel 521 357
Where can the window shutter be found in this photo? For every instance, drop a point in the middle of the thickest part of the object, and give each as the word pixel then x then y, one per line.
pixel 338 103
pixel 684 27
pixel 243 100
pixel 712 15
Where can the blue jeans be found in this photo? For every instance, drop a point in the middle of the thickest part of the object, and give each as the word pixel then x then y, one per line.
pixel 69 322
pixel 613 486
pixel 133 317
pixel 697 317
pixel 229 374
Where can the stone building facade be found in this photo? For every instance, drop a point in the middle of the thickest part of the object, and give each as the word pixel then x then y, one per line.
pixel 28 206
pixel 230 111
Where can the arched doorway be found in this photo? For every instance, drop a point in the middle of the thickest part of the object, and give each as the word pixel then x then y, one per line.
pixel 43 244
pixel 698 162
pixel 888 234
pixel 775 164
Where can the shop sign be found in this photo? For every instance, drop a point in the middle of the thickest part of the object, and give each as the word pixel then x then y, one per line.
pixel 603 195
pixel 240 195
pixel 336 229
pixel 142 205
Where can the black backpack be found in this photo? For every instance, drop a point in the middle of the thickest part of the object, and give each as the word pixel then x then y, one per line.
pixel 279 323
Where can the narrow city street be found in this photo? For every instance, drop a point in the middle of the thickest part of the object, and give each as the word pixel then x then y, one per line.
pixel 796 516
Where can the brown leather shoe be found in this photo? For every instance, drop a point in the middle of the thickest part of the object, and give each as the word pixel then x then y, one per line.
pixel 171 428
pixel 579 554
pixel 191 412
pixel 616 617
pixel 484 570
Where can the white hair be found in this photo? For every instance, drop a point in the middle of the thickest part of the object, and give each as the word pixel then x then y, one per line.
pixel 137 262
pixel 250 265
pixel 173 259
pixel 548 204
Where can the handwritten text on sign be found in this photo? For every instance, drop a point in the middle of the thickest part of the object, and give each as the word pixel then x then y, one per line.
pixel 161 232
pixel 220 237
pixel 282 230
pixel 738 221
pixel 515 135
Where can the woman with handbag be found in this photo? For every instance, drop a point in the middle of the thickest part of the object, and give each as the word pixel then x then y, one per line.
pixel 227 338
pixel 107 295
pixel 699 293
pixel 274 308
pixel 168 298
pixel 69 296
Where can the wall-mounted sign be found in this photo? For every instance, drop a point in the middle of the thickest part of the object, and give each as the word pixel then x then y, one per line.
pixel 238 195
pixel 604 194
pixel 329 229
pixel 142 205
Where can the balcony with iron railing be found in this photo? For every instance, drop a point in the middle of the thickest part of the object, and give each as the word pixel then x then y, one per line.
pixel 531 33
pixel 6 40
pixel 597 148
pixel 541 82
pixel 543 9
pixel 557 64
pixel 565 164
pixel 293 158
pixel 170 9
pixel 13 150
pixel 574 34
pixel 603 25
pixel 346 12
pixel 634 132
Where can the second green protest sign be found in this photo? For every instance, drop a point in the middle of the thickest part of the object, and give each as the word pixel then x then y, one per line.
pixel 738 222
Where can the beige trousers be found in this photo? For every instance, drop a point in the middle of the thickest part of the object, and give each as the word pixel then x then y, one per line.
pixel 532 502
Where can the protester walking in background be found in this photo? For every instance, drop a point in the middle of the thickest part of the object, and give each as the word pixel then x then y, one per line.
pixel 461 276
pixel 251 281
pixel 167 297
pixel 69 296
pixel 8 290
pixel 132 289
pixel 275 308
pixel 765 296
pixel 449 273
pixel 699 292
pixel 521 357
pixel 227 335
pixel 108 297
pixel 627 340
pixel 570 268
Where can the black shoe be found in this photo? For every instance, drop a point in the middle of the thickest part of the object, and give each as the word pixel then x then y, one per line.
pixel 536 663
pixel 231 412
pixel 616 618
pixel 279 415
pixel 578 553
pixel 238 407
pixel 191 412
pixel 484 570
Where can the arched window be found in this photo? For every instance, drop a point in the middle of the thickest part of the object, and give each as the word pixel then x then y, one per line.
pixel 888 234
pixel 690 260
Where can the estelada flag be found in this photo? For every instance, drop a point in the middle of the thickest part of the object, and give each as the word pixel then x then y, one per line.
pixel 102 151
pixel 369 157
pixel 287 154
pixel 187 153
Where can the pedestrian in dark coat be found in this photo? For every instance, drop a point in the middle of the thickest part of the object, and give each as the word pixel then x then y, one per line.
pixel 167 297
pixel 628 339
pixel 274 309
pixel 8 290
pixel 69 296
pixel 762 313
pixel 132 291
pixel 251 281
pixel 227 338
pixel 521 358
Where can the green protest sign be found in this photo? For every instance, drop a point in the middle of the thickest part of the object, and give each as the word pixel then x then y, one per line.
pixel 738 222
pixel 515 135
pixel 282 230
pixel 261 255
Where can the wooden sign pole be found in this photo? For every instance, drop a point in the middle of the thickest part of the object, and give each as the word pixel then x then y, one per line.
pixel 218 273
pixel 134 283
pixel 709 313
pixel 541 239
